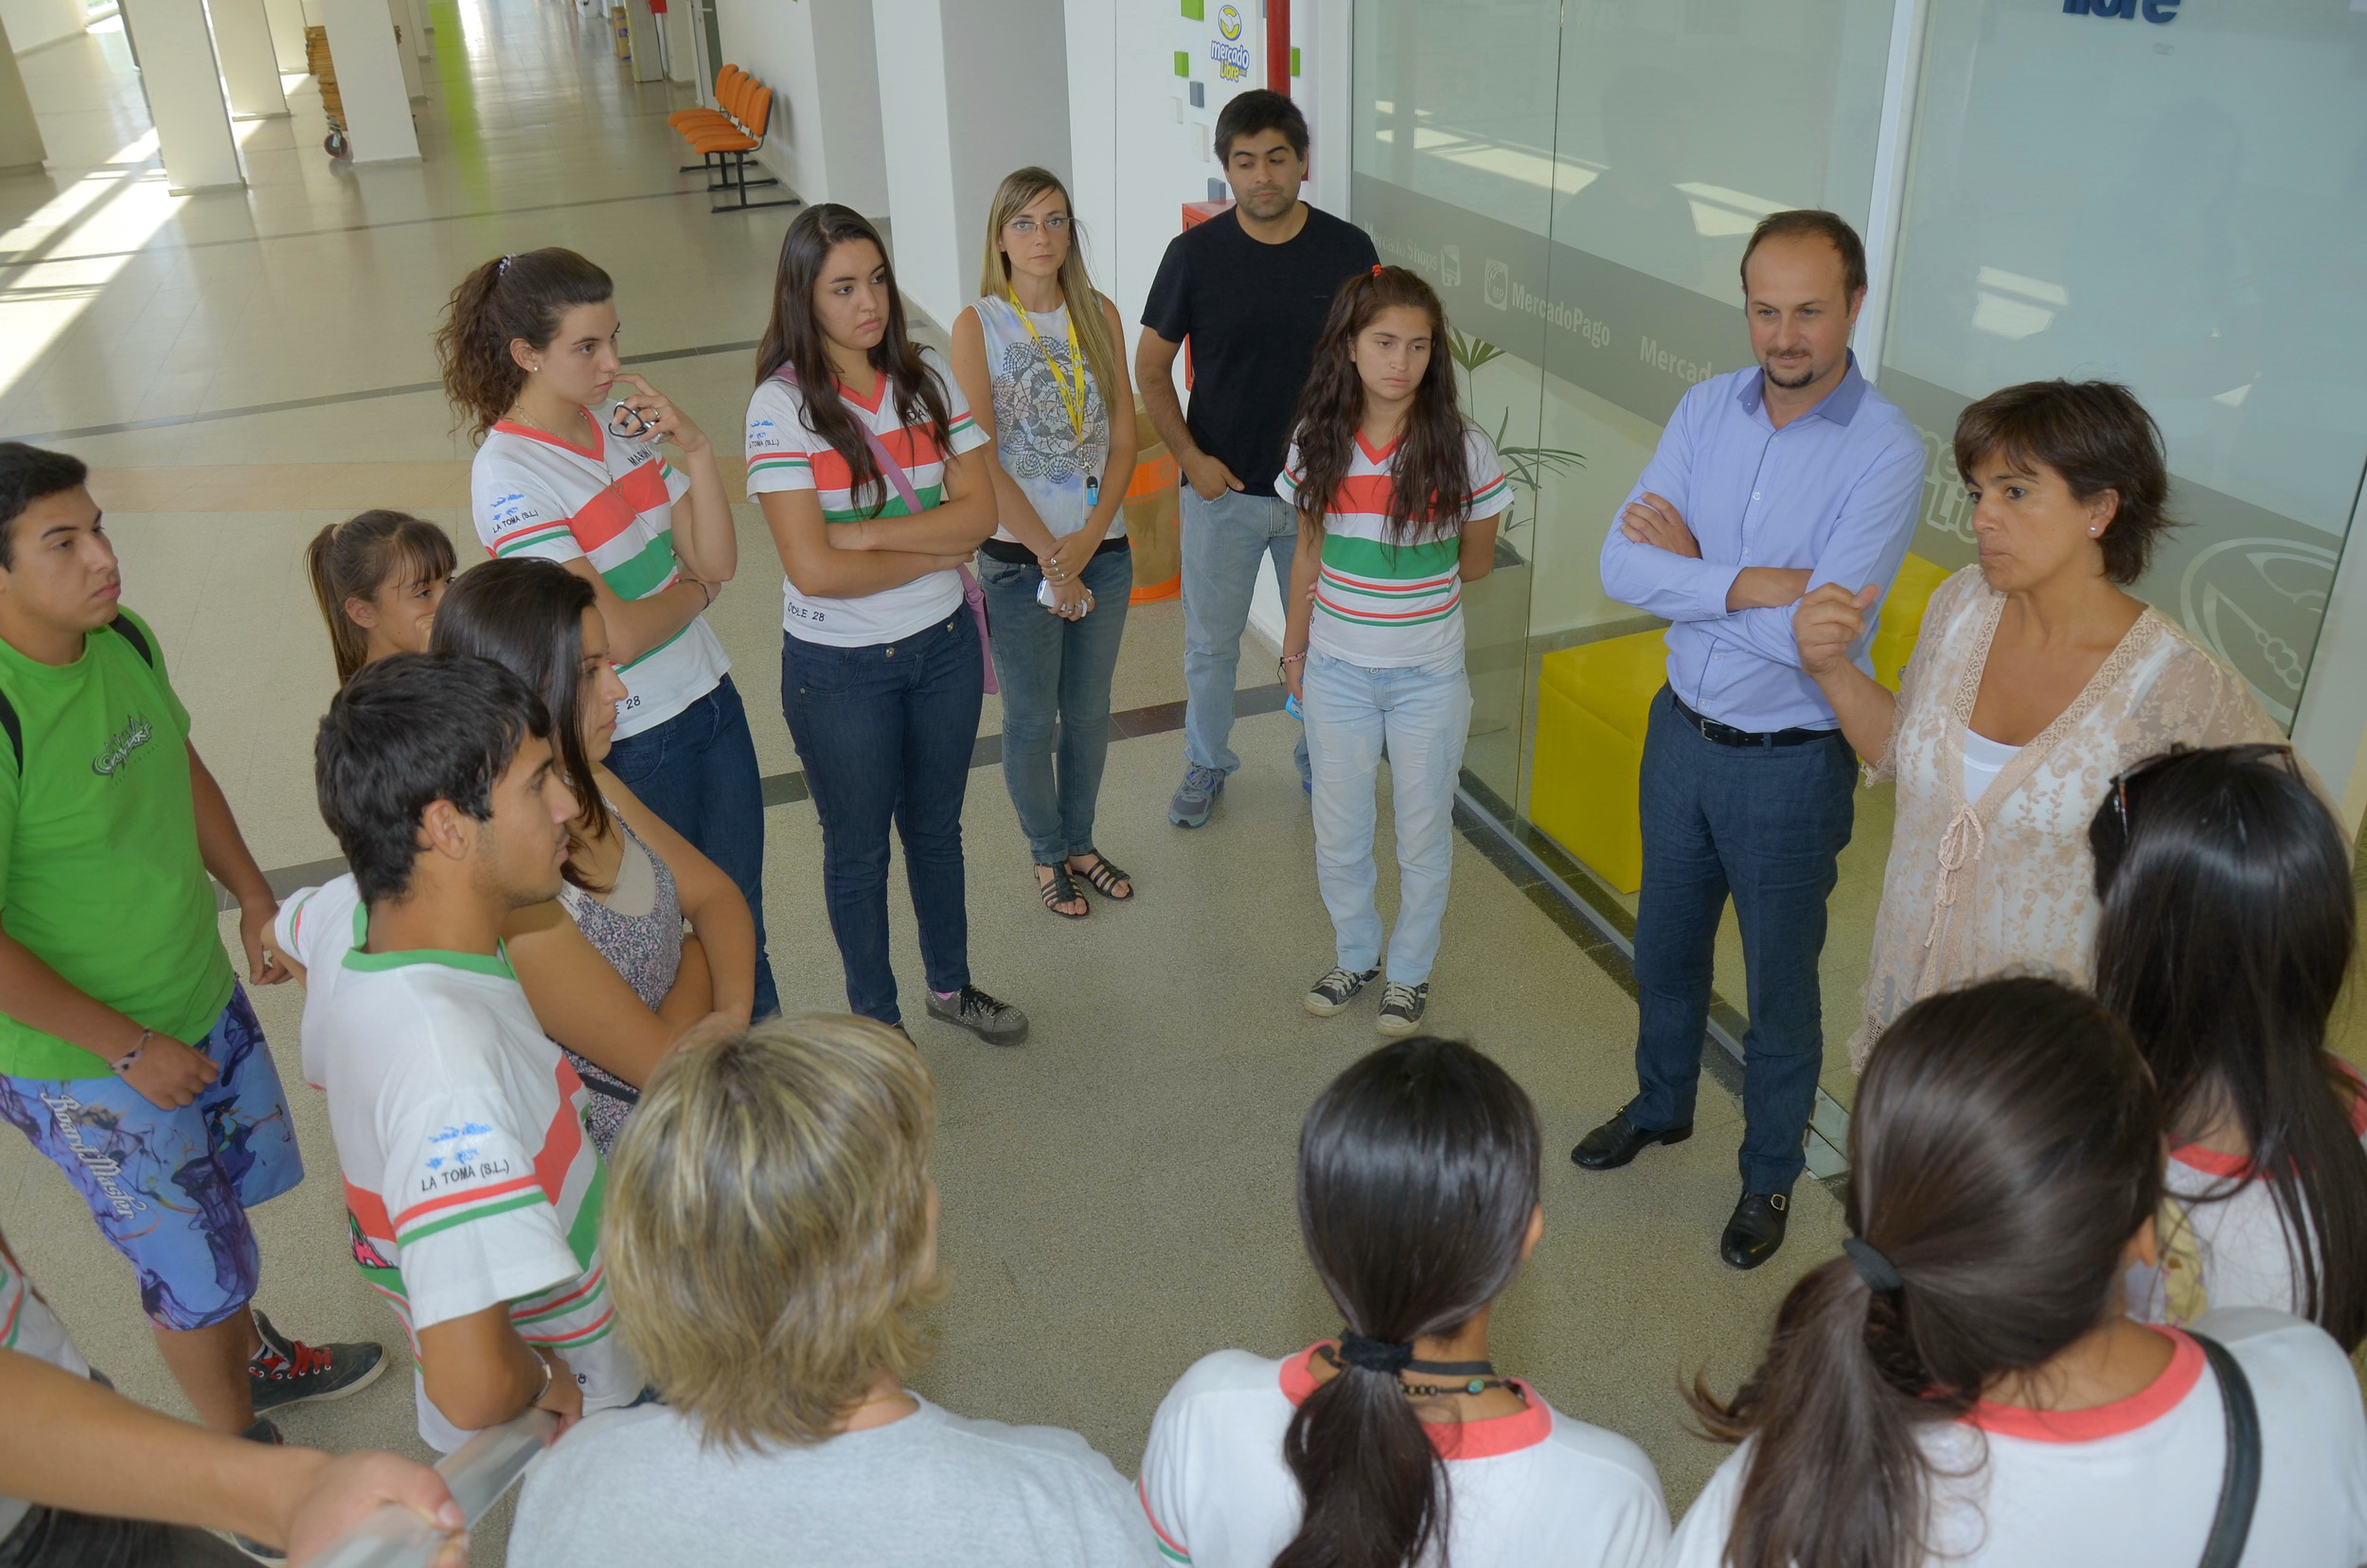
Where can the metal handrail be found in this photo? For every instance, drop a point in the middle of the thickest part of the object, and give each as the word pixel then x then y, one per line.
pixel 478 1472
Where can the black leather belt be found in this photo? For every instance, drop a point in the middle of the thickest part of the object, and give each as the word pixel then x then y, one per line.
pixel 1726 735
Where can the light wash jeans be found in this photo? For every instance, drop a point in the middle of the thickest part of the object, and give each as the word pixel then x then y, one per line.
pixel 1221 542
pixel 1422 715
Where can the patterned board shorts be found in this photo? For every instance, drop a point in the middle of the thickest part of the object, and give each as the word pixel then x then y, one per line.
pixel 171 1188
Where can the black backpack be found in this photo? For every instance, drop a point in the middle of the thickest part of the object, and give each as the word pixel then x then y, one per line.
pixel 123 628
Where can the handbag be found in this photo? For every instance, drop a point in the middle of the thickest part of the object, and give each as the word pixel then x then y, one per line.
pixel 2239 1483
pixel 893 471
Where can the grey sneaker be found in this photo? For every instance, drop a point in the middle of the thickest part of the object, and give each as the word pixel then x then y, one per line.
pixel 996 1023
pixel 1196 796
pixel 286 1371
pixel 1336 989
pixel 1401 1008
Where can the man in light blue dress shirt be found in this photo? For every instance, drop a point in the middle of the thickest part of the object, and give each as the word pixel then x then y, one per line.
pixel 1767 482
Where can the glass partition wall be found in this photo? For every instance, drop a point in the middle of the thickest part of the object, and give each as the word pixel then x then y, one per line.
pixel 2179 206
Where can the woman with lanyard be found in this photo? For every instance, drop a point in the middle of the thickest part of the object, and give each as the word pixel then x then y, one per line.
pixel 1041 379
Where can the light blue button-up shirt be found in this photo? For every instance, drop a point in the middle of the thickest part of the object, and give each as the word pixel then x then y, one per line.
pixel 1835 490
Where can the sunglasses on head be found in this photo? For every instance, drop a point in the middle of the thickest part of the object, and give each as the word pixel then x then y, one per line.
pixel 2258 751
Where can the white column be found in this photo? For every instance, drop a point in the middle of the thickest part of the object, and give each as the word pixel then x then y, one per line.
pixel 369 79
pixel 682 48
pixel 2330 724
pixel 954 123
pixel 406 58
pixel 641 27
pixel 20 149
pixel 1136 162
pixel 183 84
pixel 250 67
pixel 287 34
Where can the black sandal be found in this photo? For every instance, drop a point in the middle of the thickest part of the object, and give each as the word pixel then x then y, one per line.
pixel 1105 878
pixel 1060 888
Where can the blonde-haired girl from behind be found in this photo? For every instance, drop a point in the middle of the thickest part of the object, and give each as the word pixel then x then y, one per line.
pixel 771 1230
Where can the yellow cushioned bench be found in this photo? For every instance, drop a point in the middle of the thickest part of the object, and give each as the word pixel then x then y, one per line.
pixel 1591 705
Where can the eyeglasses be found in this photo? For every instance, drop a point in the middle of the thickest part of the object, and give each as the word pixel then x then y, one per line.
pixel 2257 751
pixel 1057 223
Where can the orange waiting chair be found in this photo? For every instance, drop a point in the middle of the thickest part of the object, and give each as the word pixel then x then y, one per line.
pixel 698 113
pixel 727 148
pixel 731 85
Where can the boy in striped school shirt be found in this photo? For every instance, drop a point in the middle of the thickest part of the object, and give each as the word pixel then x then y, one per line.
pixel 473 1194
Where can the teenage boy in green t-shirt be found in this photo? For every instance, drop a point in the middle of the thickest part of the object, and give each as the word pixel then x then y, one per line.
pixel 129 1054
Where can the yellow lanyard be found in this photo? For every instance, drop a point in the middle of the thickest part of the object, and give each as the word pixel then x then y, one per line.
pixel 1071 400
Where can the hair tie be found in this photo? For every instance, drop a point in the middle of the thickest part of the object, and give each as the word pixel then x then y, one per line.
pixel 1377 269
pixel 1881 1275
pixel 1372 1355
pixel 503 270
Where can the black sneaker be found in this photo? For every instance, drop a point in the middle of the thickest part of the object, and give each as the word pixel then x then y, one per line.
pixel 286 1371
pixel 996 1023
pixel 1401 1008
pixel 1336 989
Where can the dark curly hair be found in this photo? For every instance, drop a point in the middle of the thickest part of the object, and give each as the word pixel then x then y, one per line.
pixel 2099 437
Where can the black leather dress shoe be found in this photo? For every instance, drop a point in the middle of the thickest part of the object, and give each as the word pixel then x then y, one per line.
pixel 1619 1140
pixel 1755 1231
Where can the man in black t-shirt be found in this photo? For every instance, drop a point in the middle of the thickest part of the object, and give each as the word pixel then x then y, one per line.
pixel 1249 289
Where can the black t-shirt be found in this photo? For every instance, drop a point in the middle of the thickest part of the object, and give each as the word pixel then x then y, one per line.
pixel 1253 312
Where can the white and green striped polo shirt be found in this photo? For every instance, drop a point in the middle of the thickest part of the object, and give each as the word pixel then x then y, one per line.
pixel 469 1182
pixel 1385 605
pixel 533 494
pixel 785 454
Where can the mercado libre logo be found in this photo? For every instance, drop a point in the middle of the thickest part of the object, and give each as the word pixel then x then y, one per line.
pixel 1229 53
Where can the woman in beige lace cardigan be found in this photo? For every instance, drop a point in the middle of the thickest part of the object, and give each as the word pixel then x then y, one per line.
pixel 2037 679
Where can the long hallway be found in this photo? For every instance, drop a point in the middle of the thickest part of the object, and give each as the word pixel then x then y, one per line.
pixel 243 367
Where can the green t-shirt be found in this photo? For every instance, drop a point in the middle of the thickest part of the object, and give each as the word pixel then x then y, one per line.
pixel 99 870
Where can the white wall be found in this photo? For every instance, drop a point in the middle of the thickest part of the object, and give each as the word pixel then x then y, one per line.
pixel 817 56
pixel 30 23
pixel 967 93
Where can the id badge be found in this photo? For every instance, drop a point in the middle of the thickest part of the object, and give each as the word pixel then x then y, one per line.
pixel 1093 491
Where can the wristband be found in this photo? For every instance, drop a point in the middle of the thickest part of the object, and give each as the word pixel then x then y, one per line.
pixel 124 1064
pixel 1299 657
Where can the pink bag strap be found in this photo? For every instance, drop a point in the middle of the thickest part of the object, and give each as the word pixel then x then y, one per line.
pixel 890 470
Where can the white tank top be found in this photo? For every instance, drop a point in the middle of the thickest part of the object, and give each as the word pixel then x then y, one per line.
pixel 1034 438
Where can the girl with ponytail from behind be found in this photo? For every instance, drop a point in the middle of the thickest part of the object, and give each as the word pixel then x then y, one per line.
pixel 1960 1385
pixel 1398 1445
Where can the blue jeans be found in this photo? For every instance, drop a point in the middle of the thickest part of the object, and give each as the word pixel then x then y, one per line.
pixel 1422 714
pixel 698 772
pixel 885 732
pixel 1768 825
pixel 1053 670
pixel 1221 542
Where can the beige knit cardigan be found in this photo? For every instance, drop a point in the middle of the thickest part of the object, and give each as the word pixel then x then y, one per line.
pixel 2005 883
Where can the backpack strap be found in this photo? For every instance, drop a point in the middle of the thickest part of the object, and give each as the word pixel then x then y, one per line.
pixel 132 635
pixel 2239 1485
pixel 15 727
